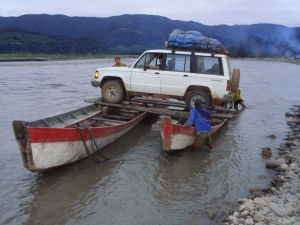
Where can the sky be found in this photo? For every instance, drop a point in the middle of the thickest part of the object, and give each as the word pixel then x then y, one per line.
pixel 208 12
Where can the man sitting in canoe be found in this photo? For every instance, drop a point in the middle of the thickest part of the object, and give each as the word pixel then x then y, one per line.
pixel 201 117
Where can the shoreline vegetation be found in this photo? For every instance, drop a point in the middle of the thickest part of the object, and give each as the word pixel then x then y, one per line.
pixel 26 57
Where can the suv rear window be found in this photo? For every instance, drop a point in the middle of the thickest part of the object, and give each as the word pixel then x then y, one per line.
pixel 178 63
pixel 209 65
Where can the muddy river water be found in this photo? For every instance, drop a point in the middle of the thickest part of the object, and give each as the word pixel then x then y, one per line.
pixel 144 184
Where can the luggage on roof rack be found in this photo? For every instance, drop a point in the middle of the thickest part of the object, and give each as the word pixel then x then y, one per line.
pixel 194 40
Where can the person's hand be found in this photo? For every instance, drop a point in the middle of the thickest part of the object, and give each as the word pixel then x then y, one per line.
pixel 185 125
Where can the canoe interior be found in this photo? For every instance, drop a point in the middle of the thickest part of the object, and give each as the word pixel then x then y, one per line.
pixel 213 122
pixel 89 115
pixel 66 119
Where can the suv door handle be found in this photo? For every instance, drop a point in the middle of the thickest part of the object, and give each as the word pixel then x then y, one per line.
pixel 156 72
pixel 185 75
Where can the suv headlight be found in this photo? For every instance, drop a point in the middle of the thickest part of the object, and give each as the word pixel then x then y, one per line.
pixel 96 74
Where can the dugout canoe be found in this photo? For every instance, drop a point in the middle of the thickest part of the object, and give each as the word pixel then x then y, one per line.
pixel 62 139
pixel 175 136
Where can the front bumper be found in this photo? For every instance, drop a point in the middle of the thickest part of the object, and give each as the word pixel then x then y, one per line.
pixel 95 83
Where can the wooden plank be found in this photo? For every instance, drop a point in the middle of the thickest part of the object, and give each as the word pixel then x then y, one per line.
pixel 109 123
pixel 223 115
pixel 224 109
pixel 160 111
pixel 129 113
pixel 75 120
pixel 119 117
pixel 109 120
pixel 87 124
pixel 175 103
pixel 159 102
pixel 214 120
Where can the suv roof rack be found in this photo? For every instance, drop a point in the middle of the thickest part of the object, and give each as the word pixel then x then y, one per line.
pixel 208 48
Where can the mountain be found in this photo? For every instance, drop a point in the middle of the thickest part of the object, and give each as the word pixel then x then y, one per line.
pixel 132 34
pixel 16 40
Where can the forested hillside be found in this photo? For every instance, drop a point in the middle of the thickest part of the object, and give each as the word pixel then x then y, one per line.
pixel 16 40
pixel 132 34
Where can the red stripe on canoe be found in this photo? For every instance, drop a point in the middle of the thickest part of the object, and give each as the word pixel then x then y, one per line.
pixel 47 135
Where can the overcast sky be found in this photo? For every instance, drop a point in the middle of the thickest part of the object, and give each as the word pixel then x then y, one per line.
pixel 208 12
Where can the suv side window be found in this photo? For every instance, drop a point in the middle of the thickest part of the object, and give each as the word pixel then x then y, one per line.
pixel 149 58
pixel 209 65
pixel 178 63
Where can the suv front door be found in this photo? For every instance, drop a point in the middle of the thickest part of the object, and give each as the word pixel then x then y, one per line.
pixel 147 81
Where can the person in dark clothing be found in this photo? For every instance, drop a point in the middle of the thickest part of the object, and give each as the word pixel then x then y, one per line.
pixel 200 117
pixel 158 67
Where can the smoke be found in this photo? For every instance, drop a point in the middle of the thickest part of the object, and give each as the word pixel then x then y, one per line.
pixel 270 41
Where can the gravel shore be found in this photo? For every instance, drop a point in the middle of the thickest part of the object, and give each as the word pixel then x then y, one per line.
pixel 294 61
pixel 280 202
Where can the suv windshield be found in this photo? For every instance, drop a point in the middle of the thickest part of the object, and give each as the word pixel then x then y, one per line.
pixel 148 58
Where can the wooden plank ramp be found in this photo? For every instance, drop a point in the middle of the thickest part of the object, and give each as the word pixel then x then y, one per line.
pixel 174 103
pixel 154 109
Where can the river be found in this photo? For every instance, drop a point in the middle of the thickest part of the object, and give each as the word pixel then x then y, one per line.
pixel 144 185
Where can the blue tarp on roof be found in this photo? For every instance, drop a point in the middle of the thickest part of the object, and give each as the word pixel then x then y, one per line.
pixel 193 40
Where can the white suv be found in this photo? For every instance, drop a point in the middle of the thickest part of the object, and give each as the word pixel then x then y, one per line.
pixel 183 75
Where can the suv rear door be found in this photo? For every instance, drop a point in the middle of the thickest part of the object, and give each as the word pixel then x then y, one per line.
pixel 209 73
pixel 176 76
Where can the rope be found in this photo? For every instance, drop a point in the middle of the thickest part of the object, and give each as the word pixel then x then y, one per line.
pixel 95 143
pixel 92 141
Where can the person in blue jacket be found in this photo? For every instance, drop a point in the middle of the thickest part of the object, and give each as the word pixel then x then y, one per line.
pixel 200 117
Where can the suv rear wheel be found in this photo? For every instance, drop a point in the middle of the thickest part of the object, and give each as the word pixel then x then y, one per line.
pixel 235 80
pixel 112 91
pixel 193 95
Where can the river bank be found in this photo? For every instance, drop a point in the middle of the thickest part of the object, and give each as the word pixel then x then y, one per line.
pixel 58 57
pixel 279 203
pixel 23 57
pixel 295 61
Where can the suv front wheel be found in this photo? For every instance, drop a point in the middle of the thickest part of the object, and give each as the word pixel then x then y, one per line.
pixel 193 95
pixel 112 91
